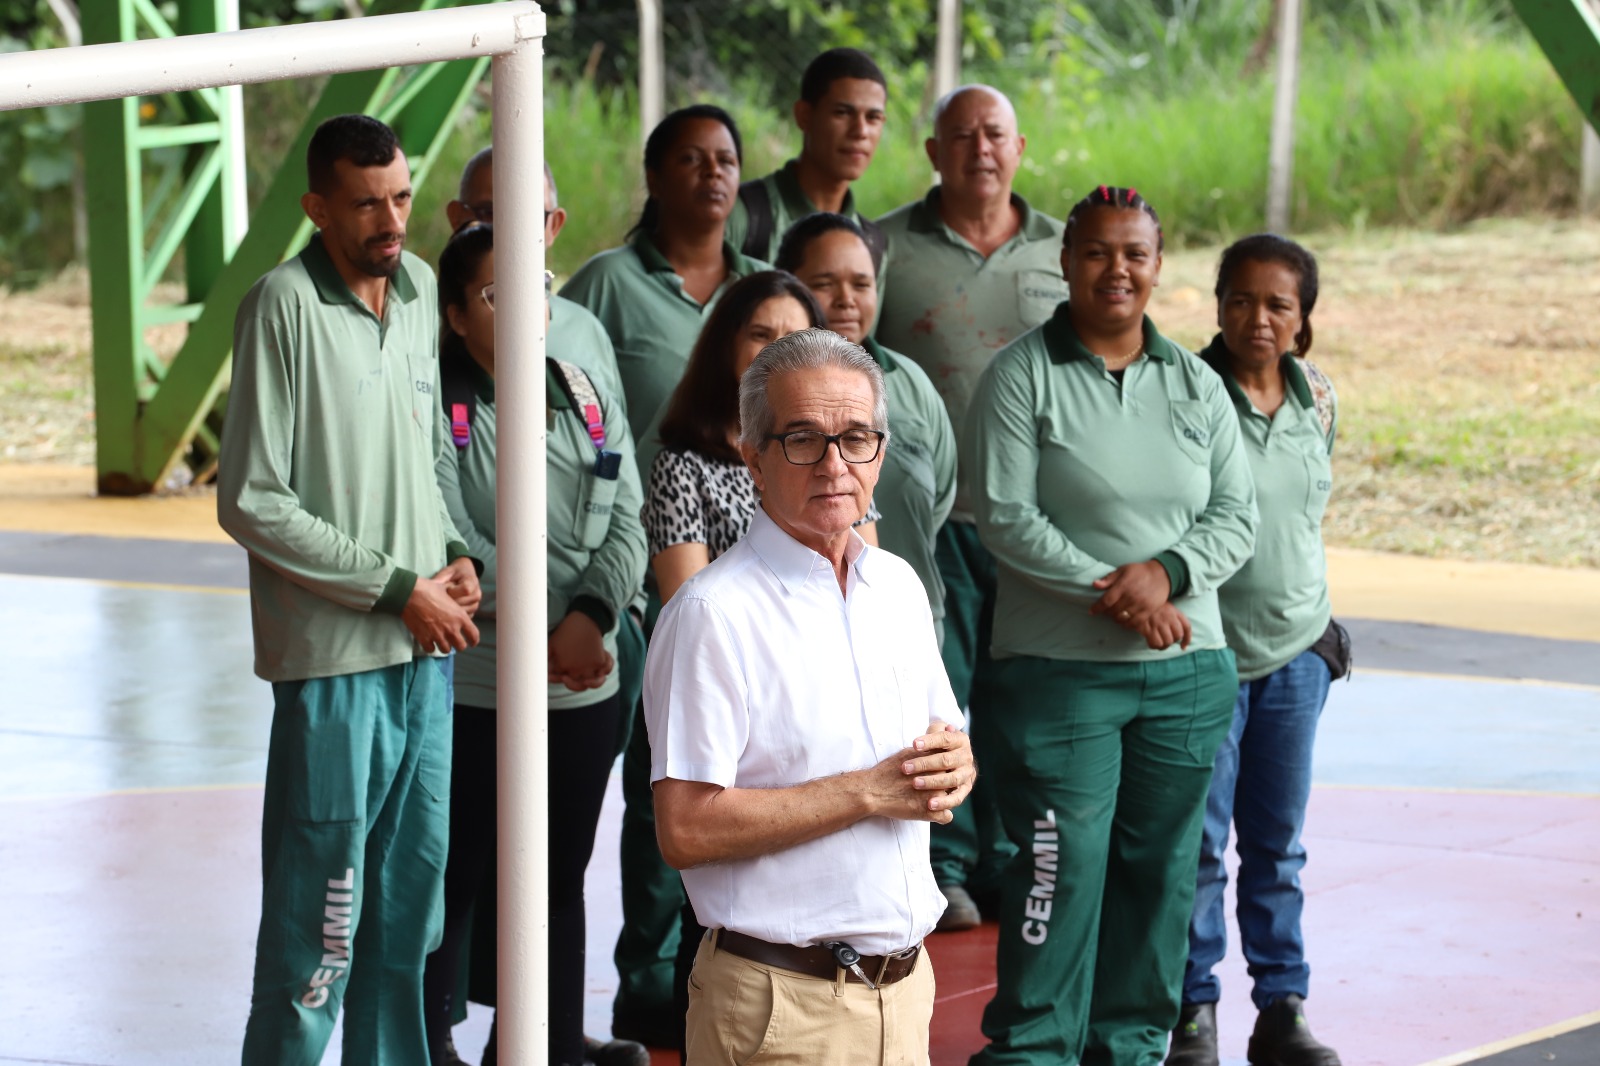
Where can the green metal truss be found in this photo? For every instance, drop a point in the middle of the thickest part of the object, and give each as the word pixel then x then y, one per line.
pixel 1569 33
pixel 150 414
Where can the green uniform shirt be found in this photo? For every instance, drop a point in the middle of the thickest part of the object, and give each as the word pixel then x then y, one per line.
pixel 950 309
pixel 1277 605
pixel 326 471
pixel 577 337
pixel 594 536
pixel 1076 474
pixel 789 205
pixel 918 482
pixel 653 323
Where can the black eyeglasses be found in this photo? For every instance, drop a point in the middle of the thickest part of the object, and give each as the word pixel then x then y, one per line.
pixel 808 447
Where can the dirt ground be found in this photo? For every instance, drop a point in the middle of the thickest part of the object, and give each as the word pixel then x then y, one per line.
pixel 1467 363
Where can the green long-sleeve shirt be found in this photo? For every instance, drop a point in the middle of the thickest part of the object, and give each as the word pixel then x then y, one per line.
pixel 577 337
pixel 950 308
pixel 1076 474
pixel 653 323
pixel 789 205
pixel 918 483
pixel 326 470
pixel 1277 605
pixel 594 537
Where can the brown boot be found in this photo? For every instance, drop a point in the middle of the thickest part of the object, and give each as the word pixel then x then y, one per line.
pixel 1282 1037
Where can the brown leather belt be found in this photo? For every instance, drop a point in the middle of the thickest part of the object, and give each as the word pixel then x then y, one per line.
pixel 817 961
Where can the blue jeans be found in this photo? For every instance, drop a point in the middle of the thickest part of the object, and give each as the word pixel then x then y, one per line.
pixel 1261 783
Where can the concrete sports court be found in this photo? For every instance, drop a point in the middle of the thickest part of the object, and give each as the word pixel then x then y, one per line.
pixel 1454 831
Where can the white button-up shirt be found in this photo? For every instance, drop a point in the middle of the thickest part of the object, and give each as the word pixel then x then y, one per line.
pixel 761 675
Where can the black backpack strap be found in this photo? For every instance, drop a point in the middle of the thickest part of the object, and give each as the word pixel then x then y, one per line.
pixel 459 398
pixel 877 242
pixel 758 209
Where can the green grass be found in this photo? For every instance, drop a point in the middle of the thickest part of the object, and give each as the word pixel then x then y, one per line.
pixel 1413 132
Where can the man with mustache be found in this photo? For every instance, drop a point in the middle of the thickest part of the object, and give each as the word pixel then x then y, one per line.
pixel 360 588
pixel 972 266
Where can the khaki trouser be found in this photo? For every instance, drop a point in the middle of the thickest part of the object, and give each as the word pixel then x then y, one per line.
pixel 745 1012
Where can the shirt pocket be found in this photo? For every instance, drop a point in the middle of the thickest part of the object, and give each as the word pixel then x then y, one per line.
pixel 1319 485
pixel 592 517
pixel 1191 427
pixel 1039 292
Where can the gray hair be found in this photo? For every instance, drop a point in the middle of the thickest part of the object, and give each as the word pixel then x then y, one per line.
pixel 943 103
pixel 807 349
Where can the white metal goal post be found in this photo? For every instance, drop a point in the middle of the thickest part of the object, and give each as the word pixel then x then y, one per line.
pixel 512 33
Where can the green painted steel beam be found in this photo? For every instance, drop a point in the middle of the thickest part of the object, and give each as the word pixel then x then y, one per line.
pixel 151 414
pixel 1569 33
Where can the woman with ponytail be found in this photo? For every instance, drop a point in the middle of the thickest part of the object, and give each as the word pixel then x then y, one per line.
pixel 653 293
pixel 1115 494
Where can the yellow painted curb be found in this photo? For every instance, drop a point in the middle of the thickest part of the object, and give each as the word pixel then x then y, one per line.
pixel 1534 601
pixel 43 498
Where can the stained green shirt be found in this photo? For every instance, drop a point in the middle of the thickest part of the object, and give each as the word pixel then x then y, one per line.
pixel 950 309
pixel 594 536
pixel 918 483
pixel 789 205
pixel 577 337
pixel 1076 474
pixel 652 322
pixel 1277 605
pixel 326 469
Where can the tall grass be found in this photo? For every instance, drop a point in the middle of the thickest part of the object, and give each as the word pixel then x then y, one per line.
pixel 1413 128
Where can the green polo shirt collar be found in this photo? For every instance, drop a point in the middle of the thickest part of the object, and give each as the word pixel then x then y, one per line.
pixel 1216 356
pixel 1062 342
pixel 925 218
pixel 656 263
pixel 795 201
pixel 331 286
pixel 880 355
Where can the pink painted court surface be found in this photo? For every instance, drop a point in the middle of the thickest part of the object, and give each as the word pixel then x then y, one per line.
pixel 1453 886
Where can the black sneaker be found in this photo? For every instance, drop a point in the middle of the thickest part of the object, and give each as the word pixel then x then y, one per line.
pixel 1194 1041
pixel 959 911
pixel 615 1053
pixel 1282 1037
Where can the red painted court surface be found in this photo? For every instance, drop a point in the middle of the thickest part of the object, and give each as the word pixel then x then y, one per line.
pixel 1453 882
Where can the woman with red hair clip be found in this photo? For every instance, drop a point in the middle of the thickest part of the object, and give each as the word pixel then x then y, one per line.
pixel 1116 497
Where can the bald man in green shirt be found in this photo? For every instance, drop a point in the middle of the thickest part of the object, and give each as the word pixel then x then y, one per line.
pixel 972 267
pixel 359 585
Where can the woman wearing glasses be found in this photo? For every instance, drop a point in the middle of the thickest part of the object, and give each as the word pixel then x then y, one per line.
pixel 1114 491
pixel 596 562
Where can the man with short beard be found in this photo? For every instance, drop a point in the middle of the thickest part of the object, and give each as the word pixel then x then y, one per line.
pixel 360 587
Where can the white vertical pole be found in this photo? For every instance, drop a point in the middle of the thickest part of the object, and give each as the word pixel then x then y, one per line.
pixel 947 52
pixel 522 737
pixel 1280 168
pixel 235 201
pixel 652 68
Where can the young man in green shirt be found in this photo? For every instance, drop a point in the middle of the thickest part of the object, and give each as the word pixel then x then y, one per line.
pixel 326 479
pixel 972 266
pixel 840 114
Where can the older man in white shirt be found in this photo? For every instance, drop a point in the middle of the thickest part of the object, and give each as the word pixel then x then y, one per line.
pixel 797 709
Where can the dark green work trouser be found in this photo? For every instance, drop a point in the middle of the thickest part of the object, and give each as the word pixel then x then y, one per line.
pixel 1106 768
pixel 973 849
pixel 353 838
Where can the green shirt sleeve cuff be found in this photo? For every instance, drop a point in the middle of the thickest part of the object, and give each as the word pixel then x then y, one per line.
pixel 397 593
pixel 1177 572
pixel 596 610
pixel 457 550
